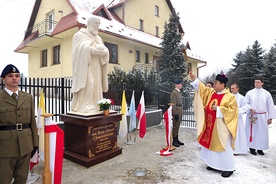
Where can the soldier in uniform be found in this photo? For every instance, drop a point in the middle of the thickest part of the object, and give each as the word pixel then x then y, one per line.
pixel 18 131
pixel 176 100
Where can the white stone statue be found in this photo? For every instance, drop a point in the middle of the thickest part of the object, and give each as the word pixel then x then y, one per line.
pixel 90 58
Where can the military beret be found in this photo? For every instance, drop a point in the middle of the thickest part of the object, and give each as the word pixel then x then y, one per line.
pixel 222 78
pixel 178 81
pixel 9 69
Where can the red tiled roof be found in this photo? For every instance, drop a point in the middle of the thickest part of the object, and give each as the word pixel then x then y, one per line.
pixel 65 23
pixel 29 38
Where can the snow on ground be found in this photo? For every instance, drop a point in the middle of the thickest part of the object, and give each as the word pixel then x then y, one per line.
pixel 249 168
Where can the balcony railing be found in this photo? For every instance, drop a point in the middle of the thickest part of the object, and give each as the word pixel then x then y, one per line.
pixel 44 27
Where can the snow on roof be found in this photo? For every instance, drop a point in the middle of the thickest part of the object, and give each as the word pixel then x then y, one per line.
pixel 85 7
pixel 116 27
pixel 192 53
pixel 115 2
pixel 88 6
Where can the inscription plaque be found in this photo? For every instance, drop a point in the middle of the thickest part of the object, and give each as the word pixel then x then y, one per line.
pixel 90 140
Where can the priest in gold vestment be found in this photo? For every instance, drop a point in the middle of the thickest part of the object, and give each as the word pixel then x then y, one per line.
pixel 216 113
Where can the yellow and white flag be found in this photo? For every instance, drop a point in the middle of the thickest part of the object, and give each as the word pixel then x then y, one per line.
pixel 40 123
pixel 123 122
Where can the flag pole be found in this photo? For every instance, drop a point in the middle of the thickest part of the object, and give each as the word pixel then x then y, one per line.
pixel 171 148
pixel 136 130
pixel 131 113
pixel 129 141
pixel 47 174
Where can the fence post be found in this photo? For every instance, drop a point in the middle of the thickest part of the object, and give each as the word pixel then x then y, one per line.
pixel 158 101
pixel 62 100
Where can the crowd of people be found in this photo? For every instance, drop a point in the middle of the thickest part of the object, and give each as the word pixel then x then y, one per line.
pixel 228 123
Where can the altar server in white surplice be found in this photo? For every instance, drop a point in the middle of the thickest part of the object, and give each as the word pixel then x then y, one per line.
pixel 240 142
pixel 261 111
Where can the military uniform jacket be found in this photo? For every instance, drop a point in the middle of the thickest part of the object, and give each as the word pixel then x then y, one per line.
pixel 15 143
pixel 176 99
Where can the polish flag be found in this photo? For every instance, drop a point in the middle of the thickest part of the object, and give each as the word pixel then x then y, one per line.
pixel 168 127
pixel 56 146
pixel 141 115
pixel 34 160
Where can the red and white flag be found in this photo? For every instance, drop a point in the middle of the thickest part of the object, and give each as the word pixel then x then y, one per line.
pixel 56 146
pixel 141 115
pixel 168 127
pixel 34 160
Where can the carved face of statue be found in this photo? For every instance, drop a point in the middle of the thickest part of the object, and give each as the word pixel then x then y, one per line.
pixel 93 24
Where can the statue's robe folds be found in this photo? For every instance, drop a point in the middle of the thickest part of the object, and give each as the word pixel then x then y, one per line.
pixel 90 58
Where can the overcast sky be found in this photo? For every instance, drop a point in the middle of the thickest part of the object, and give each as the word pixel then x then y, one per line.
pixel 216 29
pixel 15 15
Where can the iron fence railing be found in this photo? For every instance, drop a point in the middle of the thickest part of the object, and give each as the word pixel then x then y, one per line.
pixel 57 92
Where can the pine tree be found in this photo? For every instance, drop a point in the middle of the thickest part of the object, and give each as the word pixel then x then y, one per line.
pixel 238 60
pixel 172 63
pixel 270 70
pixel 251 65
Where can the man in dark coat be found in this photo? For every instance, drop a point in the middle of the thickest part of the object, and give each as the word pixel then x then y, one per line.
pixel 177 108
pixel 18 131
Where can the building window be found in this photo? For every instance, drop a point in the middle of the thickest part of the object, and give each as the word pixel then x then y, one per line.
pixel 156 11
pixel 146 58
pixel 141 25
pixel 56 54
pixel 50 22
pixel 113 52
pixel 156 31
pixel 189 67
pixel 156 63
pixel 137 56
pixel 44 58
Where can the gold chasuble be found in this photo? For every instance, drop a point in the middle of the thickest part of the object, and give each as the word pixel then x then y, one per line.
pixel 214 132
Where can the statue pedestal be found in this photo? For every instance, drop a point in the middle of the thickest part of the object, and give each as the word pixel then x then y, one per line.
pixel 90 140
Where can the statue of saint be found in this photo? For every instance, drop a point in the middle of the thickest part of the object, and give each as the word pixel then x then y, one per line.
pixel 90 58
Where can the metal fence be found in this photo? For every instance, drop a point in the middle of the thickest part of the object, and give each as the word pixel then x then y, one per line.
pixel 188 118
pixel 57 93
pixel 58 97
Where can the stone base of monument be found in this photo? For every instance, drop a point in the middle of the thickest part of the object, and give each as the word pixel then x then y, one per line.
pixel 90 140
